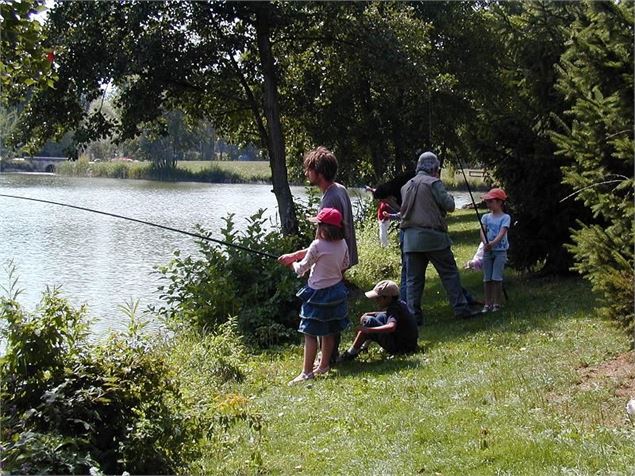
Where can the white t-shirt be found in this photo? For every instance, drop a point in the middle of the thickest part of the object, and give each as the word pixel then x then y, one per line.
pixel 326 260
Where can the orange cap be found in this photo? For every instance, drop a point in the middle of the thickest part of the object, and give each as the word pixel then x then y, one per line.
pixel 495 193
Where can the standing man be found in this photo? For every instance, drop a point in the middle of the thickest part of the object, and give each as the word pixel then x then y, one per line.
pixel 320 169
pixel 425 203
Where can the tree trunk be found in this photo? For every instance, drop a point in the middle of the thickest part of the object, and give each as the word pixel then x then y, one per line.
pixel 275 139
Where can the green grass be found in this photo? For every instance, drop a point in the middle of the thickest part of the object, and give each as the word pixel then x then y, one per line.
pixel 249 171
pixel 194 171
pixel 497 394
pixel 454 179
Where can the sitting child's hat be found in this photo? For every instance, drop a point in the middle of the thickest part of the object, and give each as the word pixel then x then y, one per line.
pixel 384 288
pixel 330 216
pixel 495 193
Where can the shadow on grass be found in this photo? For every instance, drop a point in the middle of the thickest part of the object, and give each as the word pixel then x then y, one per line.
pixel 466 237
pixel 534 305
pixel 388 364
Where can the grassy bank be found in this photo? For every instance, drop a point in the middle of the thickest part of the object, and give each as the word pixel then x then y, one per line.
pixel 215 172
pixel 224 172
pixel 508 393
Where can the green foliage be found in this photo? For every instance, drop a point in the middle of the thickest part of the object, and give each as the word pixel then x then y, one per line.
pixel 212 367
pixel 511 135
pixel 69 405
pixel 226 281
pixel 215 172
pixel 23 63
pixel 375 263
pixel 597 79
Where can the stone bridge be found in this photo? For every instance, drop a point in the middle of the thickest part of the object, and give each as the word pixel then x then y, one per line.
pixel 44 164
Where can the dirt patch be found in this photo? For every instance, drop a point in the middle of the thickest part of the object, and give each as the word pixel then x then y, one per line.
pixel 618 373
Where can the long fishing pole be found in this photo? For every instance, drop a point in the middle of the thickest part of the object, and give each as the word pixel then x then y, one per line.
pixel 195 235
pixel 469 190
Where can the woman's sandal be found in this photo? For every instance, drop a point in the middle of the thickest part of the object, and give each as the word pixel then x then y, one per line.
pixel 319 371
pixel 303 377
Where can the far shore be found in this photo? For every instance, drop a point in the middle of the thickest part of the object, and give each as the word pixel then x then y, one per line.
pixel 256 172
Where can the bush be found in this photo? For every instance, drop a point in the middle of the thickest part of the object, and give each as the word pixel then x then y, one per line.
pixel 69 405
pixel 375 263
pixel 226 281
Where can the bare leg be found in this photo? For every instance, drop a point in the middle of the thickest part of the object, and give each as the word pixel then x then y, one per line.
pixel 498 292
pixel 328 343
pixel 359 340
pixel 489 298
pixel 310 349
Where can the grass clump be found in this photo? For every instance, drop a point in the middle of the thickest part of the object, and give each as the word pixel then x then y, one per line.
pixel 125 403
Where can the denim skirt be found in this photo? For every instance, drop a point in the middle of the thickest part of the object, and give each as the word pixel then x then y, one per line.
pixel 324 311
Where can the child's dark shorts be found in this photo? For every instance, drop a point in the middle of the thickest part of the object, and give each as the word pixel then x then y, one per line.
pixel 385 340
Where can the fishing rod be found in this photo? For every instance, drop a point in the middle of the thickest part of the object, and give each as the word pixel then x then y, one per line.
pixel 195 235
pixel 469 190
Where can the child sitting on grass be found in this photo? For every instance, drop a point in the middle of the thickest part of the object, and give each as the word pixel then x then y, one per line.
pixel 393 327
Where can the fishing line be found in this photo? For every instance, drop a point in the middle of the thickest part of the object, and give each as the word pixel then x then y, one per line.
pixel 163 227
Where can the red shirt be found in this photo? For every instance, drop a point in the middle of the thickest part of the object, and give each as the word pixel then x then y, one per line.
pixel 383 207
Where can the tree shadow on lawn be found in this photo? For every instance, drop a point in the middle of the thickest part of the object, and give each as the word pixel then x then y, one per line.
pixel 465 237
pixel 536 304
pixel 386 364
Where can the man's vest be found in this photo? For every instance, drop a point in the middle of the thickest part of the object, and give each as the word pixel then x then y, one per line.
pixel 419 209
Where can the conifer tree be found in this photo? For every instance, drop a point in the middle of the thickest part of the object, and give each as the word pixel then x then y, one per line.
pixel 511 137
pixel 596 77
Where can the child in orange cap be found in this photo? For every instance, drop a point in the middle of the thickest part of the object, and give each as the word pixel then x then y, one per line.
pixel 495 244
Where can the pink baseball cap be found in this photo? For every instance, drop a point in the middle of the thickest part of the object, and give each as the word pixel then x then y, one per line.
pixel 495 193
pixel 330 216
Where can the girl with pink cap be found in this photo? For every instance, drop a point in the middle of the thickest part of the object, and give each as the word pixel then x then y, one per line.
pixel 324 311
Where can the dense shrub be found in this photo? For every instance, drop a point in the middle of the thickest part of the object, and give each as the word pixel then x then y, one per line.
pixel 69 405
pixel 596 76
pixel 511 135
pixel 225 281
pixel 375 262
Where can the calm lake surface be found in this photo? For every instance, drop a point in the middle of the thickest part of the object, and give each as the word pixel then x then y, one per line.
pixel 105 261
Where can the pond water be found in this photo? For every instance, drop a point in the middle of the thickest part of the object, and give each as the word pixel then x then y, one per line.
pixel 105 261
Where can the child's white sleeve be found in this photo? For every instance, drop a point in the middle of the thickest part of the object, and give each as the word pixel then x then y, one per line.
pixel 304 265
